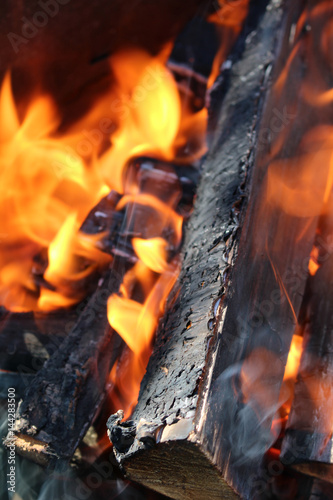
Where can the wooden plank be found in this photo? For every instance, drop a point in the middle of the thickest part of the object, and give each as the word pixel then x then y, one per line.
pixel 164 435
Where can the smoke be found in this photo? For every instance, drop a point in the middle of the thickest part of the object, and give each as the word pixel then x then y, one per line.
pixel 249 407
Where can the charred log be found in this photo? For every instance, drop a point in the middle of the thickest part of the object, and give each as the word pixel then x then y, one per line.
pixel 165 446
pixel 67 393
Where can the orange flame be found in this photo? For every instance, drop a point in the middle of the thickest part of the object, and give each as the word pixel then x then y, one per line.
pixel 36 196
pixel 136 324
pixel 152 253
pixel 288 384
pixel 50 181
pixel 228 18
pixel 294 358
pixel 149 106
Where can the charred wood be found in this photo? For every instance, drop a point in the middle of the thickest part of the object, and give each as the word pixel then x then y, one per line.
pixel 164 446
pixel 67 393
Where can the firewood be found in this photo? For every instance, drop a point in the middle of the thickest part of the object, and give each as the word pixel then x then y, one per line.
pixel 105 219
pixel 67 393
pixel 27 340
pixel 168 443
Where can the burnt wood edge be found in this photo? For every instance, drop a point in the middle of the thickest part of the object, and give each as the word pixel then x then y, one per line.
pixel 154 414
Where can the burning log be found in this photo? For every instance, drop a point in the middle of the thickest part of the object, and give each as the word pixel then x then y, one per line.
pixel 62 400
pixel 173 436
pixel 67 393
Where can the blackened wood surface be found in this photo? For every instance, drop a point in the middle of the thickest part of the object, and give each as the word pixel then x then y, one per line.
pixel 65 395
pixel 179 357
pixel 168 400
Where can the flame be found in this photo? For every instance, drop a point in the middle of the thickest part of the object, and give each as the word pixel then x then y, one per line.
pixel 42 172
pixel 229 19
pixel 149 104
pixel 305 191
pixel 164 216
pixel 51 180
pixel 136 324
pixel 152 253
pixel 294 358
pixel 313 262
pixel 288 386
pixel 66 253
pixel 41 179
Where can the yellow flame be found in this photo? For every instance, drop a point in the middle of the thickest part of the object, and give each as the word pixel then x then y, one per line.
pixel 152 253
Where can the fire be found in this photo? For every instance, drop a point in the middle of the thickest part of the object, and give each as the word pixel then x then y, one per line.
pixel 51 180
pixel 72 257
pixel 136 323
pixel 229 19
pixel 294 358
pixel 148 103
pixel 313 262
pixel 152 253
pixel 55 171
pixel 36 197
